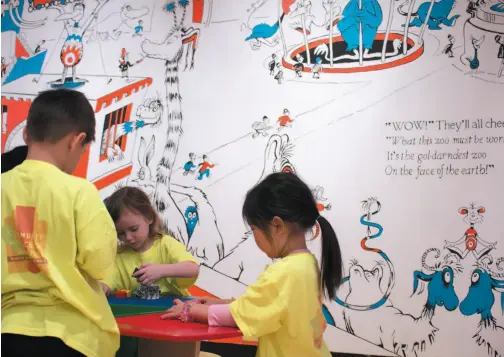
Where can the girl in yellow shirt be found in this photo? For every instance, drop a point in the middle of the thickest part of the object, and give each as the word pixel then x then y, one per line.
pixel 283 309
pixel 161 259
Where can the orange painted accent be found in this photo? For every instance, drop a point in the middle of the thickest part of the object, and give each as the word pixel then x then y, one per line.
pixel 193 39
pixel 376 67
pixel 41 2
pixel 119 94
pixel 20 50
pixel 198 9
pixel 82 166
pixel 17 111
pixel 195 291
pixel 113 177
pixel 363 246
pixel 118 117
pixel 126 117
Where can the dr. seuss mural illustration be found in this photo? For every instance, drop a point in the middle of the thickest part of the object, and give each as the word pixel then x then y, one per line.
pixel 391 110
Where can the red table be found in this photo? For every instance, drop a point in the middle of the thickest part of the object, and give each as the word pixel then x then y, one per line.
pixel 170 337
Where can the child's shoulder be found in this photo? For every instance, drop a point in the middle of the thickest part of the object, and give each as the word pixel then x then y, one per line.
pixel 292 266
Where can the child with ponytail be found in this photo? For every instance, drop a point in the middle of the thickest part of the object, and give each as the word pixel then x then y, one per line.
pixel 283 309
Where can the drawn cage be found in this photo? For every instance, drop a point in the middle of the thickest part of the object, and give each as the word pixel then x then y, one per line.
pixel 390 48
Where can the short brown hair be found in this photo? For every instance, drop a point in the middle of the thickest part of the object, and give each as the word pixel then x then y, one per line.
pixel 56 113
pixel 134 199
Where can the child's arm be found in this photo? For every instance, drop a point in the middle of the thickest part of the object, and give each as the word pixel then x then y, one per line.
pixel 95 232
pixel 213 315
pixel 149 273
pixel 178 265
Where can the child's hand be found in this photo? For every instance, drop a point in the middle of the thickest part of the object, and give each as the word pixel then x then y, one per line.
pixel 174 312
pixel 106 289
pixel 149 273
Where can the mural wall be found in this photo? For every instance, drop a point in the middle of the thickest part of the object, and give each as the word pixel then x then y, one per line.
pixel 393 111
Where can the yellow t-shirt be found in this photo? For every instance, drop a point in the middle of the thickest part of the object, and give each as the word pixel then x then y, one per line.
pixel 165 250
pixel 283 309
pixel 58 240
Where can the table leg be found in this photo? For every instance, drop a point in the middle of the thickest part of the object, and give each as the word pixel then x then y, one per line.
pixel 155 348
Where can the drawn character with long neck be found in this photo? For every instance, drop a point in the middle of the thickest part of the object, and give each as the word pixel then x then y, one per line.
pixel 471 241
pixel 73 50
pixel 179 46
pixel 372 207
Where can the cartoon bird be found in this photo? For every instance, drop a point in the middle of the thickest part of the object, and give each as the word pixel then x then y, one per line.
pixel 262 32
pixel 191 215
pixel 474 62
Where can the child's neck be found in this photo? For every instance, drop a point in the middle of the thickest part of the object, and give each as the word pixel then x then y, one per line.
pixel 40 152
pixel 146 246
pixel 296 244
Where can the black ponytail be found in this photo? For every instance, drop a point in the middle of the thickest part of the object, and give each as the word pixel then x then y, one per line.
pixel 286 196
pixel 332 264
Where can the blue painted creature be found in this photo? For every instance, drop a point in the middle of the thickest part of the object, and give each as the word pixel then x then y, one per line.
pixel 439 15
pixel 480 300
pixel 370 15
pixel 261 33
pixel 440 289
pixel 399 332
pixel 474 62
pixel 191 215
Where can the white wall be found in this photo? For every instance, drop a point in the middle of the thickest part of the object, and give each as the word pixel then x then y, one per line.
pixel 340 140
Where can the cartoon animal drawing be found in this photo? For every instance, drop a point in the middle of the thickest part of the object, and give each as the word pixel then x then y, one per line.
pixel 277 155
pixel 372 207
pixel 471 242
pixel 263 33
pixel 145 177
pixel 474 62
pixel 369 17
pixel 480 300
pixel 303 11
pixel 399 332
pixel 191 215
pixel 73 49
pixel 171 51
pixel 205 241
pixel 439 15
pixel 110 27
pixel 337 7
pixel 149 113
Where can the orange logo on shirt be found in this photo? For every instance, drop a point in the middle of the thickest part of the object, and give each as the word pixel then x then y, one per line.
pixel 319 325
pixel 25 238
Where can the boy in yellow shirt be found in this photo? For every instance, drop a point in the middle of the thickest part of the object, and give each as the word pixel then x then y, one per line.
pixel 58 240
